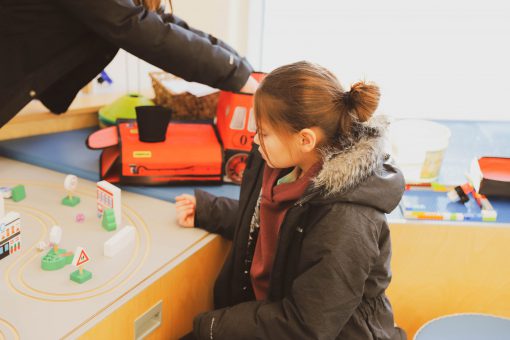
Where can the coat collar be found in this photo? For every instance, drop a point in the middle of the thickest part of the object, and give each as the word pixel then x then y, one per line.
pixel 345 168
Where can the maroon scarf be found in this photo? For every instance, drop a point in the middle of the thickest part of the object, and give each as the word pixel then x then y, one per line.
pixel 274 203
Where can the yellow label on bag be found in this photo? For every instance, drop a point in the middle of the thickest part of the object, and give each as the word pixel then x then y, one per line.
pixel 142 154
pixel 133 131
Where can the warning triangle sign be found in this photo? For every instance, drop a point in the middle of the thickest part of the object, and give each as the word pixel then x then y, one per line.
pixel 80 257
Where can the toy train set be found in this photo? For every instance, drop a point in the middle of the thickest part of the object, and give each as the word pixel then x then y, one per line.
pixel 191 152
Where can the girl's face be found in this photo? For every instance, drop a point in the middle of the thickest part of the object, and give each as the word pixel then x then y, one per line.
pixel 278 150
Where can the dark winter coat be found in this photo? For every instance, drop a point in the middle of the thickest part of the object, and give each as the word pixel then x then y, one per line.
pixel 52 49
pixel 332 264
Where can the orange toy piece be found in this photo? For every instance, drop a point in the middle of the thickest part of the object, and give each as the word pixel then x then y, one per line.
pixel 236 125
pixel 191 152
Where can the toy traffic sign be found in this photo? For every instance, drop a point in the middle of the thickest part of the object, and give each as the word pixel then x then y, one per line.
pixel 80 258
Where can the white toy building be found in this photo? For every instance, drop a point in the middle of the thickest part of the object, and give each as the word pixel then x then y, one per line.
pixel 10 231
pixel 108 196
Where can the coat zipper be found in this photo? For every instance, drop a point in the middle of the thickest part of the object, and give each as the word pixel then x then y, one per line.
pixel 211 329
pixel 298 203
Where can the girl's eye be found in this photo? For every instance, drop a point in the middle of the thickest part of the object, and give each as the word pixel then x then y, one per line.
pixel 260 133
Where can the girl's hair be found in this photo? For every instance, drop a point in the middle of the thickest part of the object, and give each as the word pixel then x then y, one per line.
pixel 154 5
pixel 303 95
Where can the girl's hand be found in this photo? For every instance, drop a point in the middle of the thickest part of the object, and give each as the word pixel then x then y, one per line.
pixel 185 206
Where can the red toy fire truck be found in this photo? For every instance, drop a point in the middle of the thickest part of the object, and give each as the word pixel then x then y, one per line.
pixel 191 151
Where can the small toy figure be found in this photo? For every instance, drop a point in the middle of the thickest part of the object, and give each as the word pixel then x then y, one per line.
pixel 42 245
pixel 70 184
pixel 80 217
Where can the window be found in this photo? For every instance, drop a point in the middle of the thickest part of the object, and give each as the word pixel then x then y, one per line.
pixel 252 125
pixel 238 118
pixel 432 59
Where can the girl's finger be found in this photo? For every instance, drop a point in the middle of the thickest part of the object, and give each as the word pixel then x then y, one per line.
pixel 182 203
pixel 186 212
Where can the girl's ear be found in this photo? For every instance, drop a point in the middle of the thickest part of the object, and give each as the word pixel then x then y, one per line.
pixel 308 139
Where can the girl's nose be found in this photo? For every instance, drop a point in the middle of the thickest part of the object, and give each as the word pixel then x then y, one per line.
pixel 256 139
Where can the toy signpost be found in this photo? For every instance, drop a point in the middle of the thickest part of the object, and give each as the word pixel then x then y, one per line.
pixel 55 237
pixel 70 184
pixel 56 258
pixel 80 258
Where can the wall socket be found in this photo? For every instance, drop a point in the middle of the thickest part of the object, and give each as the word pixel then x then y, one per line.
pixel 146 323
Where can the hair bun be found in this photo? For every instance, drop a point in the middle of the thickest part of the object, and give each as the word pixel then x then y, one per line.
pixel 363 99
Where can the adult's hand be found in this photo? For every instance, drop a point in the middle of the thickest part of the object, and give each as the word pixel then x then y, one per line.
pixel 250 86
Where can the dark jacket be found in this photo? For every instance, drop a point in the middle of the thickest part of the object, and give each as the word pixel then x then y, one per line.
pixel 332 265
pixel 51 49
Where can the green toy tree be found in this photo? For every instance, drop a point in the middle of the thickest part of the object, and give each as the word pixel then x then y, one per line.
pixel 108 221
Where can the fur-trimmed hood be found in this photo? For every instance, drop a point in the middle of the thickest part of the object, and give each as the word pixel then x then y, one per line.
pixel 363 172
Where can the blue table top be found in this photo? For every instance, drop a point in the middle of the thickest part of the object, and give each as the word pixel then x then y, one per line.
pixel 66 152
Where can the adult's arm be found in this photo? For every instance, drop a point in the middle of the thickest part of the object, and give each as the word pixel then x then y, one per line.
pixel 181 51
pixel 173 19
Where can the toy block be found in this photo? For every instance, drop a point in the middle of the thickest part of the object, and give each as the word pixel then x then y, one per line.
pixel 18 193
pixel 119 241
pixel 81 276
pixel 108 221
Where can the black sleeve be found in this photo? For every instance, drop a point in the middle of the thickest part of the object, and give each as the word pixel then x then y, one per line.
pixel 323 297
pixel 172 18
pixel 216 214
pixel 191 56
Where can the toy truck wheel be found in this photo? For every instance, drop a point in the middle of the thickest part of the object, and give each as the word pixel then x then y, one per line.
pixel 234 168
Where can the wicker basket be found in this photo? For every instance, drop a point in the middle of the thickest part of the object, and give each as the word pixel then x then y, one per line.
pixel 185 106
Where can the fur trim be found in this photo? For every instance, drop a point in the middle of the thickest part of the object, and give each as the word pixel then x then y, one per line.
pixel 344 169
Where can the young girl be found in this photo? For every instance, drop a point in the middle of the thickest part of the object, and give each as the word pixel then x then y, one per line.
pixel 311 248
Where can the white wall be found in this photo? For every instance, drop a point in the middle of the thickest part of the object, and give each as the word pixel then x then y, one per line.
pixel 432 59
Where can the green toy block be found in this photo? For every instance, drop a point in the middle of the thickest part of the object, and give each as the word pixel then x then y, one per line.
pixel 52 261
pixel 80 278
pixel 108 221
pixel 70 201
pixel 18 193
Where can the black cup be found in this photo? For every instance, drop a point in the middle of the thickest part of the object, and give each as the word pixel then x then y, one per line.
pixel 152 123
